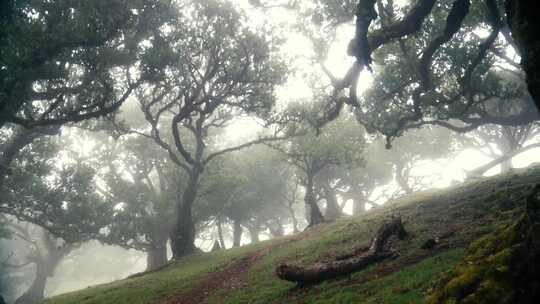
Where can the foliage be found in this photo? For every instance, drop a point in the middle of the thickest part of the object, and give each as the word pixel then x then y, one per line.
pixel 62 61
pixel 60 197
pixel 429 62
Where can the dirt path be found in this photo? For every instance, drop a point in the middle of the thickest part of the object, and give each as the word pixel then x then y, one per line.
pixel 232 277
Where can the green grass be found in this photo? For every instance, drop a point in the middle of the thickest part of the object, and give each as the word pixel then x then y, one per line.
pixel 468 211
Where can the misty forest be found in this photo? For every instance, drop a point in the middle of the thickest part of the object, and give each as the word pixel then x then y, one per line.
pixel 269 151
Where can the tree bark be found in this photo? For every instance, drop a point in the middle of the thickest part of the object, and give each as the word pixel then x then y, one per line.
pixel 237 233
pixel 156 256
pixel 183 235
pixel 348 264
pixel 524 22
pixel 315 215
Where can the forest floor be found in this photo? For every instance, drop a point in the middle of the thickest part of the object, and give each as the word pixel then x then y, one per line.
pixel 456 216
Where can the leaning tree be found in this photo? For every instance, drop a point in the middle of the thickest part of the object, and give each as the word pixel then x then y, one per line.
pixel 205 70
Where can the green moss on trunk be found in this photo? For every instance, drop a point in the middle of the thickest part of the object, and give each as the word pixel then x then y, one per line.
pixel 501 267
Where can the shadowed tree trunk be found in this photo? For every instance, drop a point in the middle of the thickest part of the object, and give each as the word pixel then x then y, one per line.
pixel 183 235
pixel 524 22
pixel 237 233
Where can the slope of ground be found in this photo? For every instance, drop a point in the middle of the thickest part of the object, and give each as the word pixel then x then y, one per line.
pixel 455 216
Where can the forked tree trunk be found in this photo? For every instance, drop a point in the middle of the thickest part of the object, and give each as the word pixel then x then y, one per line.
pixel 348 264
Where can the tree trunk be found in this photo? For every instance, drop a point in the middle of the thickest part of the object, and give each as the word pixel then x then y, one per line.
pixel 315 215
pixel 359 206
pixel 276 228
pixel 345 264
pixel 293 217
pixel 506 165
pixel 237 233
pixel 156 257
pixel 45 266
pixel 220 233
pixel 524 22
pixel 402 177
pixel 332 208
pixel 183 235
pixel 254 234
pixel 36 291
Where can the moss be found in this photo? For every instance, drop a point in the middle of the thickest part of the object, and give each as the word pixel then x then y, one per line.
pixel 494 269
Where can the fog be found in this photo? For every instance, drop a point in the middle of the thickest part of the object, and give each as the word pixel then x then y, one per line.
pixel 206 125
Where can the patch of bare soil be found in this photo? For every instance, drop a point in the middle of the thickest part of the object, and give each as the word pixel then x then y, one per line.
pixel 232 277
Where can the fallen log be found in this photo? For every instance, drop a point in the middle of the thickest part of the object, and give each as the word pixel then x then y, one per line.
pixel 324 271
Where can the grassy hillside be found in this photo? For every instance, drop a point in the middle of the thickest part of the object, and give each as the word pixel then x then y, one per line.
pixel 246 275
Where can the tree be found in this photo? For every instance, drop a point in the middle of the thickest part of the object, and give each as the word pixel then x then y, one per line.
pixel 359 184
pixel 45 253
pixel 247 188
pixel 64 62
pixel 139 180
pixel 206 69
pixel 340 143
pixel 428 62
pixel 59 61
pixel 58 196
